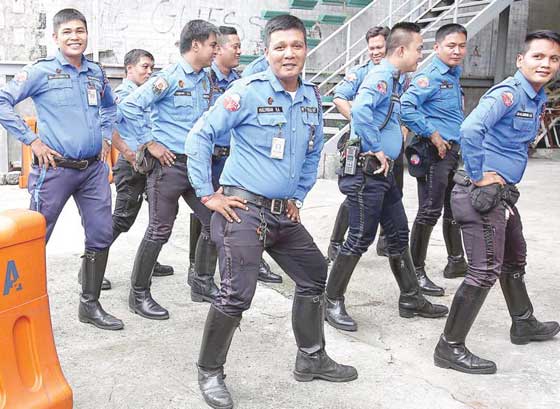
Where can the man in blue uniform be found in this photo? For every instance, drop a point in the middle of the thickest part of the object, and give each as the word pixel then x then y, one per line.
pixel 275 120
pixel 260 64
pixel 432 107
pixel 495 139
pixel 69 89
pixel 129 183
pixel 369 183
pixel 177 97
pixel 222 74
pixel 344 93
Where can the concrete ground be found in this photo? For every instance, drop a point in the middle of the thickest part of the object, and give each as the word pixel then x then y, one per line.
pixel 151 364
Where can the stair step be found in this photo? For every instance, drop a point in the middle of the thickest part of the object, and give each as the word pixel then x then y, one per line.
pixel 332 2
pixel 308 23
pixel 303 4
pixel 245 59
pixel 330 130
pixel 270 14
pixel 358 3
pixel 332 19
pixel 450 16
pixel 334 116
pixel 327 100
pixel 312 42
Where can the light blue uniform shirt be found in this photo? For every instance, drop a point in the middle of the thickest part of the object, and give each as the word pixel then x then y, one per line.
pixel 370 108
pixel 258 110
pixel 434 102
pixel 220 83
pixel 75 106
pixel 349 86
pixel 258 65
pixel 177 97
pixel 125 129
pixel 496 135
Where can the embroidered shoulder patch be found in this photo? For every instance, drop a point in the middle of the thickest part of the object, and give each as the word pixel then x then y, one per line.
pixel 382 87
pixel 423 81
pixel 21 77
pixel 507 98
pixel 232 102
pixel 159 86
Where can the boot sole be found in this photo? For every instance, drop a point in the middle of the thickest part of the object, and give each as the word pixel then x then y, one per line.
pixel 433 293
pixel 308 377
pixel 162 274
pixel 149 317
pixel 214 406
pixel 88 321
pixel 444 363
pixel 410 314
pixel 269 281
pixel 353 328
pixel 195 297
pixel 528 339
pixel 451 276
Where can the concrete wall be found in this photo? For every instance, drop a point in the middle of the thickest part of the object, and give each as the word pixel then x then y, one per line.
pixel 544 14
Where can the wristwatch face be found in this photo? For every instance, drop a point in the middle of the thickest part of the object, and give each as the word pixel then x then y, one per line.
pixel 299 204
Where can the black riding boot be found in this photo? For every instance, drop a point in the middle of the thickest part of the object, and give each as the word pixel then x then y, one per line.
pixel 411 300
pixel 203 287
pixel 456 263
pixel 140 298
pixel 266 275
pixel 419 241
pixel 194 234
pixel 451 351
pixel 105 285
pixel 162 270
pixel 218 333
pixel 524 326
pixel 90 310
pixel 339 230
pixel 339 278
pixel 312 360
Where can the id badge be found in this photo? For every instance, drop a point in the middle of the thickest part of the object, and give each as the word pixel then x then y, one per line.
pixel 92 96
pixel 277 149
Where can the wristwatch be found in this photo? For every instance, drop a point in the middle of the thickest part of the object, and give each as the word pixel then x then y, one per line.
pixel 298 203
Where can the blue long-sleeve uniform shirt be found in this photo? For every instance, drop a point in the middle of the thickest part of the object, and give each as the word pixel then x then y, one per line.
pixel 260 64
pixel 434 102
pixel 177 97
pixel 370 108
pixel 350 85
pixel 220 83
pixel 75 106
pixel 124 127
pixel 496 135
pixel 258 110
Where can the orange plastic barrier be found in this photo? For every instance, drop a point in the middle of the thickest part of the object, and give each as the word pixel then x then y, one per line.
pixel 30 373
pixel 27 155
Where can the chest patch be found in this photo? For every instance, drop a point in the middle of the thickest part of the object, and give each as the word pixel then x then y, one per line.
pixel 446 85
pixel 269 110
pixel 309 110
pixel 524 114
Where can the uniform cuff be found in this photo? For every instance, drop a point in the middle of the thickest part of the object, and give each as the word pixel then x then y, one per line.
pixel 205 190
pixel 29 137
pixel 476 176
pixel 337 95
pixel 428 131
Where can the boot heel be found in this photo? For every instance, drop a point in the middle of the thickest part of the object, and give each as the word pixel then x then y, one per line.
pixel 196 297
pixel 406 313
pixel 520 340
pixel 303 377
pixel 441 363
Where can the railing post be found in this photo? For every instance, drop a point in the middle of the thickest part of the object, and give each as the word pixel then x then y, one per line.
pixel 456 11
pixel 348 43
pixel 390 13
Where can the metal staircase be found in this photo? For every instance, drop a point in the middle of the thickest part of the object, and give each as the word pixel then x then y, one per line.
pixel 429 14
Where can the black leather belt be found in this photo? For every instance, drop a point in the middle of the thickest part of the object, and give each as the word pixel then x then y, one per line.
pixel 455 146
pixel 78 164
pixel 276 206
pixel 180 157
pixel 220 151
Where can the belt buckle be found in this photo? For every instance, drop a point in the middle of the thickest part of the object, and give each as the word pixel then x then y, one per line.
pixel 276 206
pixel 83 164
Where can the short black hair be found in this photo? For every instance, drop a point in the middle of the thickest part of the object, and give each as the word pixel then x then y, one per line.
pixel 377 31
pixel 133 57
pixel 195 30
pixel 401 35
pixel 540 35
pixel 66 15
pixel 225 31
pixel 447 29
pixel 282 23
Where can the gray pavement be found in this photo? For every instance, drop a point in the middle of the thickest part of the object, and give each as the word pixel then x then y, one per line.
pixel 151 364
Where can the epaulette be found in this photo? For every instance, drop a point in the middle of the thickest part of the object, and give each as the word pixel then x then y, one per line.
pixel 38 60
pixel 259 76
pixel 105 79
